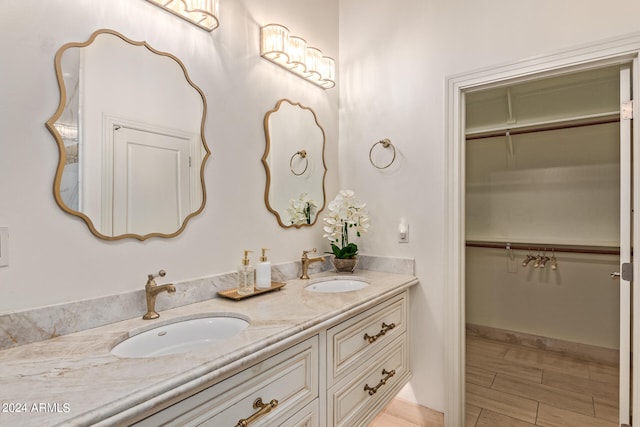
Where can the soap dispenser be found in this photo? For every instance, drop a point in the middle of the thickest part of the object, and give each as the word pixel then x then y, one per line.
pixel 263 271
pixel 246 276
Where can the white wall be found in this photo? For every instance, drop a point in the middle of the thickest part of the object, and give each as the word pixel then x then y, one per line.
pixel 394 59
pixel 53 256
pixel 578 302
pixel 559 187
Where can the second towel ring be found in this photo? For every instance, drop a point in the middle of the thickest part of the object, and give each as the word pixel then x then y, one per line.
pixel 386 143
pixel 303 155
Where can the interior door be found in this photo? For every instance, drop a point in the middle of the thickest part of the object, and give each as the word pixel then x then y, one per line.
pixel 151 182
pixel 625 274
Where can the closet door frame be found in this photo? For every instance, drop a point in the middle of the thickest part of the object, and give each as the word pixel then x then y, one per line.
pixel 627 147
pixel 622 50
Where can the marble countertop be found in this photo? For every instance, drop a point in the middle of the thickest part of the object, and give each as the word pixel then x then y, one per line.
pixel 75 380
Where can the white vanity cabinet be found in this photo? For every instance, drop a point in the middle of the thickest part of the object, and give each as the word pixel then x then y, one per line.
pixel 342 376
pixel 289 377
pixel 328 359
pixel 367 362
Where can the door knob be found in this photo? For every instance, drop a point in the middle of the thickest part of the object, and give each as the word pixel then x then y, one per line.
pixel 626 272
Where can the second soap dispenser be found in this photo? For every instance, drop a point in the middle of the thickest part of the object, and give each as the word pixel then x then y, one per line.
pixel 246 276
pixel 263 271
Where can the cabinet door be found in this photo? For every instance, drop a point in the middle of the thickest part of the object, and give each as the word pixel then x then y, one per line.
pixel 290 378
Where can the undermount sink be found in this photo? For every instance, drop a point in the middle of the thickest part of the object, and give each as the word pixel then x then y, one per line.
pixel 180 336
pixel 337 284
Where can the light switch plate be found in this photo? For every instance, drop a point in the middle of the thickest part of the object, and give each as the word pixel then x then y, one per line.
pixel 403 236
pixel 4 246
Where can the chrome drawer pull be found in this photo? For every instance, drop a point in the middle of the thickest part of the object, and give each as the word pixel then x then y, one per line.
pixel 385 328
pixel 382 382
pixel 263 409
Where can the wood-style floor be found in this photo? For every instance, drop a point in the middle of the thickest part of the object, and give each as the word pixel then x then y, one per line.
pixel 400 413
pixel 515 386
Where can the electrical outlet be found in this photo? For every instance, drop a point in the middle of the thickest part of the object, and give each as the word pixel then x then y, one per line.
pixel 4 246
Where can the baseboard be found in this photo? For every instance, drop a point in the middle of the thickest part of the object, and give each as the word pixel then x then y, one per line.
pixel 587 352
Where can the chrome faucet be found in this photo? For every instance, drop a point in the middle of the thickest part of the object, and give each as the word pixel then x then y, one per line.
pixel 152 290
pixel 305 261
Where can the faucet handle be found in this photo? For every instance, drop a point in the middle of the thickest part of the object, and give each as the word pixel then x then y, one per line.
pixel 161 273
pixel 304 253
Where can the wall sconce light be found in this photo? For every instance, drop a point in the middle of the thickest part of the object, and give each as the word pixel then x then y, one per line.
pixel 69 132
pixel 203 13
pixel 293 54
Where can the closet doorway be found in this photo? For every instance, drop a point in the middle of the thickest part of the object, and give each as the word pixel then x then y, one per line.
pixel 567 249
pixel 543 203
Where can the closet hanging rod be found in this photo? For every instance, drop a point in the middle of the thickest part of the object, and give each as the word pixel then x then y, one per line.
pixel 544 128
pixel 579 249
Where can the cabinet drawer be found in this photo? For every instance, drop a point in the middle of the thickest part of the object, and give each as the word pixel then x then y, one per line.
pixel 309 416
pixel 290 377
pixel 364 335
pixel 357 398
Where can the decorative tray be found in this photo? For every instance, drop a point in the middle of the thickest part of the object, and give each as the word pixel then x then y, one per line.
pixel 233 293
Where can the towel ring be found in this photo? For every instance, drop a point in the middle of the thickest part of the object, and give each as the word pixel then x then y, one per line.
pixel 386 143
pixel 303 155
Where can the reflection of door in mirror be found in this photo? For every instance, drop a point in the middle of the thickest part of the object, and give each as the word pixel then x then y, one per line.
pixel 112 82
pixel 150 182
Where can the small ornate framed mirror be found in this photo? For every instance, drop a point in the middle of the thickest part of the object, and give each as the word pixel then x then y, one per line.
pixel 294 164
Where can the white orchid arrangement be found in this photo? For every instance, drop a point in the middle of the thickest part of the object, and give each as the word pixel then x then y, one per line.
pixel 302 210
pixel 345 213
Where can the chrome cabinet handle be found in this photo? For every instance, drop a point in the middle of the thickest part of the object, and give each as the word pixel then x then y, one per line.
pixel 373 390
pixel 263 409
pixel 385 328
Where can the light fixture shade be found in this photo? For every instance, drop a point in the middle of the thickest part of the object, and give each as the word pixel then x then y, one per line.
pixel 274 43
pixel 69 132
pixel 328 72
pixel 297 54
pixel 203 13
pixel 292 53
pixel 314 57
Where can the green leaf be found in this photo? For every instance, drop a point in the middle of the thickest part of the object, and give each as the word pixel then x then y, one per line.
pixel 349 251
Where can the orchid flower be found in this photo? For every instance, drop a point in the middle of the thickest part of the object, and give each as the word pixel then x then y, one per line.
pixel 345 213
pixel 301 210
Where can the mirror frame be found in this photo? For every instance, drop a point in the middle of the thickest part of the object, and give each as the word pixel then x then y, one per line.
pixel 268 170
pixel 61 147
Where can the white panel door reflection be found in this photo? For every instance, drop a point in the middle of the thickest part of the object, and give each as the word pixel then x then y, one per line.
pixel 151 181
